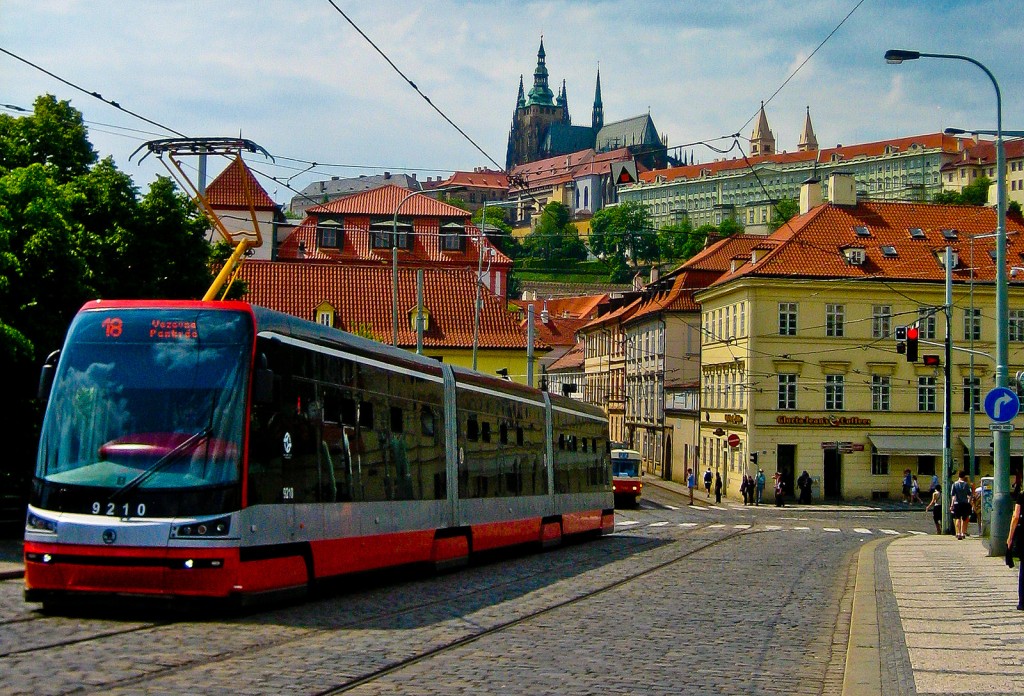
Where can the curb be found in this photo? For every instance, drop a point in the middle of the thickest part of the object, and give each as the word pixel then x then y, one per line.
pixel 12 574
pixel 863 672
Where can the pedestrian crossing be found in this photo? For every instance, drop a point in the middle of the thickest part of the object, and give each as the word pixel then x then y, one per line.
pixel 622 525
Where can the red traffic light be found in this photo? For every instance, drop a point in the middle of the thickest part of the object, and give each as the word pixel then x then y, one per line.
pixel 912 332
pixel 931 360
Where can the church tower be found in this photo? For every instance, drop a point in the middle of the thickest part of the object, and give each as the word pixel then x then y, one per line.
pixel 535 113
pixel 597 118
pixel 808 143
pixel 762 142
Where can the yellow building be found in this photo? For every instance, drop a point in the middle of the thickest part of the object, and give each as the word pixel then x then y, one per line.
pixel 799 364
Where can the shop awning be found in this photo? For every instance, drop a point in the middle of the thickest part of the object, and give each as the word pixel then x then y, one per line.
pixel 909 445
pixel 983 444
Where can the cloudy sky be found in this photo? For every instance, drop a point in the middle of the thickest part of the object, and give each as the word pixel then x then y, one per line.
pixel 297 78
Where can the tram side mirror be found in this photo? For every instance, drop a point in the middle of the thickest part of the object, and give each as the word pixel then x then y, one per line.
pixel 46 376
pixel 263 382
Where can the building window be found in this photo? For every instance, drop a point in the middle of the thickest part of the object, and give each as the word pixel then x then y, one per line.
pixel 1015 327
pixel 972 394
pixel 926 322
pixel 835 320
pixel 329 234
pixel 925 464
pixel 834 392
pixel 926 394
pixel 880 392
pixel 972 324
pixel 383 228
pixel 879 463
pixel 453 236
pixel 324 318
pixel 787 392
pixel 787 318
pixel 881 321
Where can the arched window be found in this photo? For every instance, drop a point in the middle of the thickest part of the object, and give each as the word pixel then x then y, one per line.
pixel 586 198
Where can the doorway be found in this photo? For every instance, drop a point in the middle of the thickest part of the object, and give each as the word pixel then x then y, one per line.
pixel 831 485
pixel 787 465
pixel 667 468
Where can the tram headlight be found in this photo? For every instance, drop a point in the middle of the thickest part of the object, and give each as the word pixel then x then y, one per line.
pixel 39 524
pixel 210 528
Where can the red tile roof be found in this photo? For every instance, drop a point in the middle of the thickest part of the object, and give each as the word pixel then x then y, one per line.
pixel 717 258
pixel 571 361
pixel 848 152
pixel 565 168
pixel 357 249
pixel 556 331
pixel 385 200
pixel 984 153
pixel 678 298
pixel 477 179
pixel 618 316
pixel 584 307
pixel 228 190
pixel 361 298
pixel 810 246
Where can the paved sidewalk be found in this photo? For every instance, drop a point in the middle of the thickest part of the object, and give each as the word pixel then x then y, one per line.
pixel 934 615
pixel 11 562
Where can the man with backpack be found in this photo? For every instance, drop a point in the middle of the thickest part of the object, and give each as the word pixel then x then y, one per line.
pixel 961 495
pixel 708 478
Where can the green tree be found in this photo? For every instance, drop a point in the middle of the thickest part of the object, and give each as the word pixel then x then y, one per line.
pixel 625 232
pixel 784 211
pixel 498 231
pixel 555 238
pixel 729 227
pixel 974 193
pixel 679 242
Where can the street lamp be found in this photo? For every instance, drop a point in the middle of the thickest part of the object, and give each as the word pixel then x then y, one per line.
pixel 394 269
pixel 1001 498
pixel 479 272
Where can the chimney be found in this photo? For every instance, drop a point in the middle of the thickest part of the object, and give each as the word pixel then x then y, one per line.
pixel 654 275
pixel 387 175
pixel 413 175
pixel 810 194
pixel 545 316
pixel 302 250
pixel 842 189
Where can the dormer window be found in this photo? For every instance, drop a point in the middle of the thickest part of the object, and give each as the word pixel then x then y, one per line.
pixel 891 149
pixel 330 234
pixel 889 252
pixel 453 236
pixel 949 233
pixel 940 254
pixel 862 231
pixel 836 157
pixel 854 255
pixel 426 319
pixel 916 233
pixel 382 228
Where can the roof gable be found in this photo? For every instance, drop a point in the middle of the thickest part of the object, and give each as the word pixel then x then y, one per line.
pixel 236 187
pixel 385 200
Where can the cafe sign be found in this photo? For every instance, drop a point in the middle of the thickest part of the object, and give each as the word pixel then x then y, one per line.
pixel 829 421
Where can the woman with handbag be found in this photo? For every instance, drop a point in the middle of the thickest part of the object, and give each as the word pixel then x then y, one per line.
pixel 1015 547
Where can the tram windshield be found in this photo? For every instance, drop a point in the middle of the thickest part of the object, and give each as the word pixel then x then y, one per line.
pixel 625 464
pixel 147 414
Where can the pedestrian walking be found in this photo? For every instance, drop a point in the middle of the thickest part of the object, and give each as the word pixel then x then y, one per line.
pixel 718 487
pixel 759 486
pixel 1015 548
pixel 744 487
pixel 936 507
pixel 804 484
pixel 708 478
pixel 915 492
pixel 691 482
pixel 961 495
pixel 780 490
pixel 907 481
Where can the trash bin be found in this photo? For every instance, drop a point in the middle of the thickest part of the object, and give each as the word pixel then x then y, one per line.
pixel 986 504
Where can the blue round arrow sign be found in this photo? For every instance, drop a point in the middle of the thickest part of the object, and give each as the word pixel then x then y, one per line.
pixel 1002 405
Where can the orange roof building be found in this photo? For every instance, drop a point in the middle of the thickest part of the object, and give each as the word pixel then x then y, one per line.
pixel 231 194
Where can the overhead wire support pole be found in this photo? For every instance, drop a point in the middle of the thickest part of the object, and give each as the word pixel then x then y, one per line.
pixel 394 269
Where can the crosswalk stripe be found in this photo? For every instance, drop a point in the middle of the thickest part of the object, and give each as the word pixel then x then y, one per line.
pixel 658 524
pixel 893 532
pixel 918 533
pixel 773 527
pixel 671 507
pixel 687 524
pixel 715 526
pixel 802 529
pixel 861 530
pixel 741 526
pixel 626 523
pixel 831 529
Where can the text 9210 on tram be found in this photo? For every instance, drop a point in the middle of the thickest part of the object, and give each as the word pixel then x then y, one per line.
pixel 220 449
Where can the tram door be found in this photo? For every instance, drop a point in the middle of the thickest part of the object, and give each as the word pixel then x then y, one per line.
pixel 831 484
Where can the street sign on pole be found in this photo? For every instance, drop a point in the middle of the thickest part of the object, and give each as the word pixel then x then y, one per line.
pixel 734 440
pixel 1001 427
pixel 1002 404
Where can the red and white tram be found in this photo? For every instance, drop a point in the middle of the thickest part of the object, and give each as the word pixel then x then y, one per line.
pixel 626 480
pixel 220 449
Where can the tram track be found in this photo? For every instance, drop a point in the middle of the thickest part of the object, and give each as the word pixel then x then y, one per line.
pixel 370 619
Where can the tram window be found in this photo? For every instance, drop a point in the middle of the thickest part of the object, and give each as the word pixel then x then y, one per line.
pixel 519 436
pixel 348 411
pixel 396 419
pixel 503 433
pixel 427 422
pixel 365 414
pixel 485 431
pixel 472 429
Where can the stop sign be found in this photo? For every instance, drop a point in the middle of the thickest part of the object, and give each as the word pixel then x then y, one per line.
pixel 734 440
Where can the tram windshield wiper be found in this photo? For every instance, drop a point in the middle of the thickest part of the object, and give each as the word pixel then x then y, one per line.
pixel 163 461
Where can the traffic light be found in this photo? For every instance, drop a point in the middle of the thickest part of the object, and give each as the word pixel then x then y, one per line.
pixel 901 333
pixel 931 360
pixel 753 457
pixel 912 332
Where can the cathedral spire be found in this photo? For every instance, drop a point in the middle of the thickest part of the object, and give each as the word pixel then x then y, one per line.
pixel 521 100
pixel 762 142
pixel 808 143
pixel 597 118
pixel 541 93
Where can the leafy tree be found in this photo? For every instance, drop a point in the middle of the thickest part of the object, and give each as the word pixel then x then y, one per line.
pixel 624 231
pixel 974 193
pixel 729 227
pixel 1013 208
pixel 680 241
pixel 498 231
pixel 784 211
pixel 555 238
pixel 452 201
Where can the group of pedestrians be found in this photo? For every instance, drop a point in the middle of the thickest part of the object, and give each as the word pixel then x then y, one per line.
pixel 709 481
